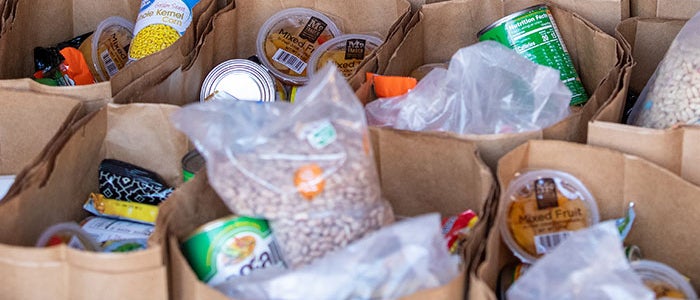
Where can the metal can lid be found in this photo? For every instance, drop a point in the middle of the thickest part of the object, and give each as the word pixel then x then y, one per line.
pixel 510 17
pixel 193 161
pixel 241 78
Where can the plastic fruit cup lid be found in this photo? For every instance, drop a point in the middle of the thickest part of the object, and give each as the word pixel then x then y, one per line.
pixel 656 273
pixel 353 48
pixel 105 25
pixel 544 206
pixel 300 30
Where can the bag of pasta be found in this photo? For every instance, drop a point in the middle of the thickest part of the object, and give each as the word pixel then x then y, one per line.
pixel 306 167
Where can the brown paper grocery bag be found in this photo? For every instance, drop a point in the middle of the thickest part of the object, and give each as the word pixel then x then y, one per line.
pixel 675 149
pixel 28 122
pixel 605 14
pixel 445 27
pixel 233 34
pixel 54 189
pixel 40 23
pixel 181 52
pixel 679 9
pixel 419 173
pixel 665 204
pixel 93 97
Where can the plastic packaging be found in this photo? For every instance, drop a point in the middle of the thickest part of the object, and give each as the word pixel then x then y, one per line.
pixel 590 264
pixel 6 182
pixel 306 167
pixel 541 209
pixel 63 64
pixel 487 89
pixel 65 233
pixel 393 262
pixel 664 280
pixel 347 51
pixel 106 50
pixel 124 181
pixel 672 95
pixel 287 40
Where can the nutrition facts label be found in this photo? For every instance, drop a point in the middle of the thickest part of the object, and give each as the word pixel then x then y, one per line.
pixel 535 36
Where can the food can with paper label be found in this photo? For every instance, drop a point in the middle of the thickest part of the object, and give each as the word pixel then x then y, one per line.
pixel 534 34
pixel 159 24
pixel 230 247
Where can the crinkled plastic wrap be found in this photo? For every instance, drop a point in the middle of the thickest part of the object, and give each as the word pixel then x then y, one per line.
pixel 589 264
pixel 672 95
pixel 306 167
pixel 487 89
pixel 393 262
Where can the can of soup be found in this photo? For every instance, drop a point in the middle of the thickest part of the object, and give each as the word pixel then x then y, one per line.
pixel 230 247
pixel 533 34
pixel 191 164
pixel 242 79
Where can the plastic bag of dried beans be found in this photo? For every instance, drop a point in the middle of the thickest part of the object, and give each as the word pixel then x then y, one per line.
pixel 306 167
pixel 672 95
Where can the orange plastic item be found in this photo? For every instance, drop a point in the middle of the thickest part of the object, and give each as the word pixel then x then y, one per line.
pixel 75 66
pixel 309 181
pixel 391 86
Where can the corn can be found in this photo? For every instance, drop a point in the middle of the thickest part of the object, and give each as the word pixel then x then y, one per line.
pixel 533 34
pixel 159 24
pixel 231 247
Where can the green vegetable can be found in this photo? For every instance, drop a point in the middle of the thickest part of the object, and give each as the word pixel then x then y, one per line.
pixel 533 34
pixel 230 247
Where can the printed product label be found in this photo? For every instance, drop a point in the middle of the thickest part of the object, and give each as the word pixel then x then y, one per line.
pixel 159 24
pixel 537 224
pixel 355 49
pixel 297 42
pixel 535 36
pixel 233 249
pixel 313 29
pixel 105 229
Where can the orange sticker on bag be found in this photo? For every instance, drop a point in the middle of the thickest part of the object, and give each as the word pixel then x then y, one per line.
pixel 309 181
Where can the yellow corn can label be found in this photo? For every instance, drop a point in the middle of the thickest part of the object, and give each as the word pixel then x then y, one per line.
pixel 159 24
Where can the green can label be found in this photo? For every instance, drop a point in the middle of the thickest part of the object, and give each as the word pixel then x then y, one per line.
pixel 533 34
pixel 231 247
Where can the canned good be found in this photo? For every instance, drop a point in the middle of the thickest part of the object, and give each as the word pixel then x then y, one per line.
pixel 242 79
pixel 159 24
pixel 191 164
pixel 230 247
pixel 533 34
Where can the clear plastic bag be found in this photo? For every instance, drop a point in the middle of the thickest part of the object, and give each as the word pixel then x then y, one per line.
pixel 306 167
pixel 672 95
pixel 396 261
pixel 589 264
pixel 487 89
